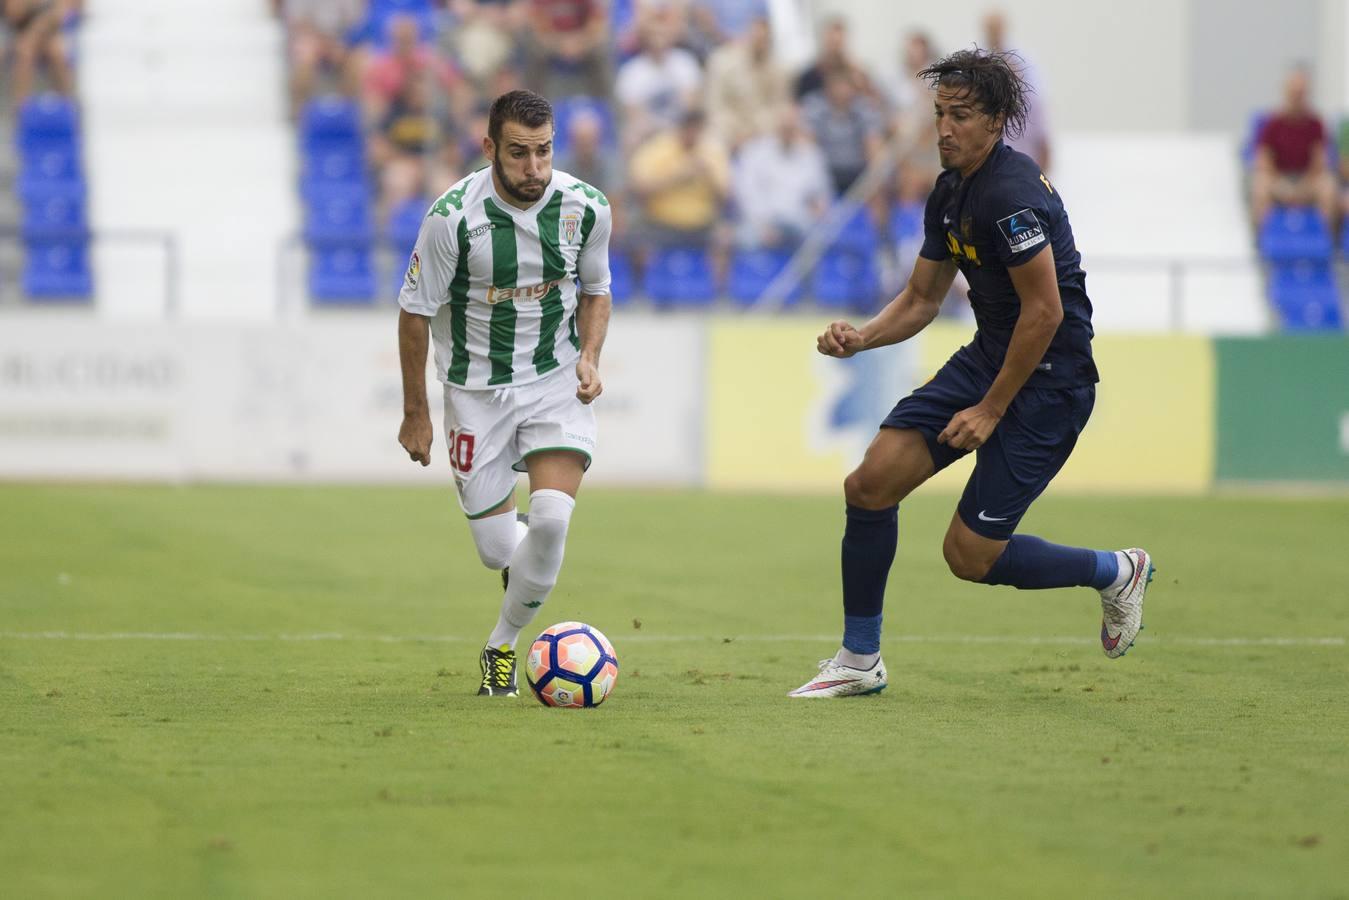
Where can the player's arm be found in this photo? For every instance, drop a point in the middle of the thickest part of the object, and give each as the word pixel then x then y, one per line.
pixel 425 290
pixel 594 303
pixel 1037 287
pixel 414 337
pixel 903 317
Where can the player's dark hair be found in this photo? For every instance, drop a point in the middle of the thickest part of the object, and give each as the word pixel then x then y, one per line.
pixel 521 107
pixel 992 79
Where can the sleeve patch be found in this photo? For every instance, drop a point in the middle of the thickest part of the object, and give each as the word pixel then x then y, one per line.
pixel 1022 230
pixel 414 270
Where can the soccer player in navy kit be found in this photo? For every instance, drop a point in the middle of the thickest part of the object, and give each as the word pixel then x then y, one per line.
pixel 1017 395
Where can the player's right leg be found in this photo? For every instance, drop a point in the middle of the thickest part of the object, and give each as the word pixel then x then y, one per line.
pixel 896 462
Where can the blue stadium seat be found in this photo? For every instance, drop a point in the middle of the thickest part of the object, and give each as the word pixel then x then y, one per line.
pixel 54 214
pixel 622 285
pixel 50 160
pixel 845 279
pixel 1291 233
pixel 342 275
pixel 405 220
pixel 751 271
pixel 335 161
pixel 565 108
pixel 330 118
pixel 1305 296
pixel 906 221
pixel 47 117
pixel 858 234
pixel 340 214
pixel 680 276
pixel 57 269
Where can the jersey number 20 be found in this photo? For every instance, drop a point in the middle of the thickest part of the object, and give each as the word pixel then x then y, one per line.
pixel 461 452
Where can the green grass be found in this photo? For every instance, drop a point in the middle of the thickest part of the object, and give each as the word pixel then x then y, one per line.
pixel 257 764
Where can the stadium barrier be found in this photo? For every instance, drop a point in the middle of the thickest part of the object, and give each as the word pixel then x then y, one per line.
pixel 726 402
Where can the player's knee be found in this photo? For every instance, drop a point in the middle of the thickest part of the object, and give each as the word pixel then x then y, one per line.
pixel 865 492
pixel 965 565
pixel 495 539
pixel 549 519
pixel 495 554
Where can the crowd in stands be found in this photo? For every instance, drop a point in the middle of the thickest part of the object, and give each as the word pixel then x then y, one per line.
pixel 1299 201
pixel 681 111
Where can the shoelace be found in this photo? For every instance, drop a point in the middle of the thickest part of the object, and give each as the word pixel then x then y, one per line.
pixel 500 670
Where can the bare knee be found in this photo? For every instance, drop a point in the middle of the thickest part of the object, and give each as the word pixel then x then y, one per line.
pixel 966 563
pixel 867 493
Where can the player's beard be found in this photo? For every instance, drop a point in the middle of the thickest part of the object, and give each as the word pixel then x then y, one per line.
pixel 525 192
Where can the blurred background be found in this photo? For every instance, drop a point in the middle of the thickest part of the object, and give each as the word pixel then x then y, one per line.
pixel 210 204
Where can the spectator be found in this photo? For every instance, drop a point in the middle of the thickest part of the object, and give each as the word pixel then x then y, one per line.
pixel 1290 157
pixel 847 127
pixel 681 178
pixel 833 57
pixel 406 59
pixel 587 159
pixel 656 84
pixel 484 38
pixel 781 184
pixel 404 143
pixel 318 31
pixel 37 41
pixel 567 48
pixel 1034 138
pixel 746 88
pixel 913 123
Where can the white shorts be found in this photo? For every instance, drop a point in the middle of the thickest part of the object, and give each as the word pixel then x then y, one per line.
pixel 491 432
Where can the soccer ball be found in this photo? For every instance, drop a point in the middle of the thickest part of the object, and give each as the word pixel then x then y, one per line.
pixel 571 665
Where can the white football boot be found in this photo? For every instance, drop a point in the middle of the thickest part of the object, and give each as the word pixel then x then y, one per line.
pixel 1122 608
pixel 837 680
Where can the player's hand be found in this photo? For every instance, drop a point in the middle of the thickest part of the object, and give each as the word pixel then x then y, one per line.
pixel 588 385
pixel 970 428
pixel 840 340
pixel 415 436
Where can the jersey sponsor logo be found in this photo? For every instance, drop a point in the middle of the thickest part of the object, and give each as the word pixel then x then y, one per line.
pixel 1022 230
pixel 480 230
pixel 961 251
pixel 571 227
pixel 523 293
pixel 414 270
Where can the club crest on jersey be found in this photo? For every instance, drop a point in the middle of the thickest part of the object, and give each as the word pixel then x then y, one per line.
pixel 1022 230
pixel 414 269
pixel 523 293
pixel 571 225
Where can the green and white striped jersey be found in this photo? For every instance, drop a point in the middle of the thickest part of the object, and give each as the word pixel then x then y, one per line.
pixel 499 283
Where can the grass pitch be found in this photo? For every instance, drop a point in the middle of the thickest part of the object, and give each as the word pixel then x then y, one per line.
pixel 241 692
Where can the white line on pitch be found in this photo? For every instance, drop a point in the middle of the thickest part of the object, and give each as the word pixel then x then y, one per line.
pixel 1031 640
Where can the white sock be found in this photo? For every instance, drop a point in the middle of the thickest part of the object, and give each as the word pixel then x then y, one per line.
pixel 496 538
pixel 535 565
pixel 845 657
pixel 1126 571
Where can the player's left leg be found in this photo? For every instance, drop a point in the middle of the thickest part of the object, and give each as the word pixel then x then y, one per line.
pixel 1030 446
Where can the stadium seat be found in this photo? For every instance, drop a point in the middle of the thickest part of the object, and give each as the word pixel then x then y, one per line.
pixel 342 275
pixel 54 214
pixel 1305 296
pixel 680 276
pixel 1291 233
pixel 335 161
pixel 50 160
pixel 751 271
pixel 47 117
pixel 329 119
pixel 565 108
pixel 845 279
pixel 339 214
pixel 404 222
pixel 858 234
pixel 621 283
pixel 906 221
pixel 57 269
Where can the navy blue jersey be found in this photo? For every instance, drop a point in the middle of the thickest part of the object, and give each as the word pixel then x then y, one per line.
pixel 999 218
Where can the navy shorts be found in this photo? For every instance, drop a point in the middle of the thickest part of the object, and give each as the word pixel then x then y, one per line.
pixel 1024 453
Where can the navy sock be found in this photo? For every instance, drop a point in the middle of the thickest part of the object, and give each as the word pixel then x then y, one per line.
pixel 869 542
pixel 1029 562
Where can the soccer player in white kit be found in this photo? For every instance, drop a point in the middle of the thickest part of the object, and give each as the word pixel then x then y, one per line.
pixel 494 280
